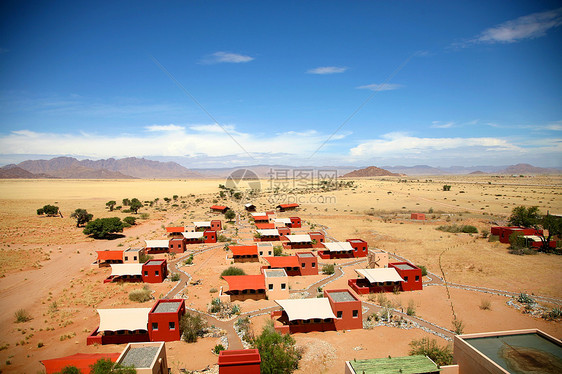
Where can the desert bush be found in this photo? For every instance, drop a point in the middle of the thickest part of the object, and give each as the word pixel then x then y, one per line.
pixel 278 352
pixel 553 315
pixel 102 227
pixel 485 304
pixel 189 260
pixel 458 326
pixel 411 311
pixel 525 299
pixel 130 220
pixel 277 250
pixel 22 315
pixel 423 270
pixel 222 238
pixel 493 238
pixel 144 258
pixel 140 296
pixel 192 326
pixel 426 347
pixel 328 269
pixel 213 290
pixel 81 216
pixel 175 277
pixel 218 348
pixel 516 240
pixel 456 229
pixel 446 187
pixel 106 366
pixel 233 270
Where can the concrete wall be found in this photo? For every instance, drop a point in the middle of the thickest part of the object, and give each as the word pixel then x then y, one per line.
pixel 277 293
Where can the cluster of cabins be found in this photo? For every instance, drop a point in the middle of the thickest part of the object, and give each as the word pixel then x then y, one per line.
pixel 532 237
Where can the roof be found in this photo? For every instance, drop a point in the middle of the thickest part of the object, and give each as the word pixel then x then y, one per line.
pixel 175 229
pixel 245 282
pixel 239 357
pixel 157 243
pixel 261 218
pixel 265 226
pixel 110 255
pixel 130 319
pixel 307 308
pixel 140 357
pixel 391 365
pixel 155 262
pixel 268 232
pixel 167 306
pixel 126 269
pixel 305 254
pixel 282 220
pixel 244 250
pixel 219 207
pixel 299 238
pixel 288 205
pixel 338 246
pixel 283 261
pixel 341 296
pixel 380 275
pixel 193 235
pixel 81 361
pixel 249 205
pixel 202 224
pixel 405 266
pixel 133 249
pixel 274 273
pixel 258 214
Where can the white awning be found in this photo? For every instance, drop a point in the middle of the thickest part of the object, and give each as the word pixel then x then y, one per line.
pixel 307 308
pixel 248 205
pixel 258 214
pixel 268 232
pixel 156 243
pixel 202 224
pixel 299 238
pixel 534 238
pixel 193 235
pixel 380 275
pixel 126 269
pixel 282 220
pixel 130 319
pixel 338 246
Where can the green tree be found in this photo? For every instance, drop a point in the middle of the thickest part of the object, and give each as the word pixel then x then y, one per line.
pixel 70 370
pixel 50 210
pixel 82 217
pixel 102 227
pixel 440 355
pixel 525 217
pixel 126 202
pixel 278 250
pixel 40 211
pixel 106 366
pixel 553 225
pixel 135 205
pixel 130 220
pixel 192 325
pixel 111 204
pixel 278 352
pixel 229 214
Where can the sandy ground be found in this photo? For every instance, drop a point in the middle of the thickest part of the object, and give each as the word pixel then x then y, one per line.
pixel 45 262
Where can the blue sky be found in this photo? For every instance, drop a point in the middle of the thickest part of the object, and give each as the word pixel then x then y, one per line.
pixel 228 83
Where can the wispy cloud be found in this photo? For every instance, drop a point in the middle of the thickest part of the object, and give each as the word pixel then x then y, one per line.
pixel 442 125
pixel 530 26
pixel 327 70
pixel 381 87
pixel 154 128
pixel 226 57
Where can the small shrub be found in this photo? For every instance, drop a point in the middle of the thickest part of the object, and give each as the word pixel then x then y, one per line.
pixel 22 316
pixel 40 345
pixel 192 326
pixel 218 348
pixel 328 269
pixel 175 277
pixel 485 304
pixel 493 238
pixel 423 270
pixel 277 250
pixel 553 315
pixel 213 290
pixel 525 299
pixel 440 355
pixel 411 311
pixel 140 296
pixel 233 270
pixel 189 260
pixel 458 326
pixel 130 220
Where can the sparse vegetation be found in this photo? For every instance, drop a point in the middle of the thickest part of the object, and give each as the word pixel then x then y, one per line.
pixel 49 210
pixel 81 216
pixel 141 295
pixel 278 352
pixel 328 269
pixel 233 270
pixel 456 229
pixel 218 348
pixel 175 277
pixel 192 325
pixel 102 227
pixel 130 220
pixel 423 270
pixel 485 304
pixel 22 315
pixel 278 250
pixel 426 347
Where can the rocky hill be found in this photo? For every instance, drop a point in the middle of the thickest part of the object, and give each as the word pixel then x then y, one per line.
pixel 371 171
pixel 527 169
pixel 14 172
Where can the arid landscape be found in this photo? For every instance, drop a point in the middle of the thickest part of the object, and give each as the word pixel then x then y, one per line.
pixel 45 261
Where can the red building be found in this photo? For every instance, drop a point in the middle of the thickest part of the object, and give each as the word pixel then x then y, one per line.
pixel 213 225
pixel 317 239
pixel 198 237
pixel 351 248
pixel 240 361
pixel 267 235
pixel 244 253
pixel 244 287
pixel 265 226
pixel 302 241
pixel 285 207
pixel 219 208
pixel 338 309
pixel 411 274
pixel 360 247
pixel 176 245
pixel 81 361
pixel 418 216
pixel 154 271
pixel 303 263
pixel 175 231
pixel 107 257
pixel 164 320
pixel 295 222
pixel 261 219
pixel 504 232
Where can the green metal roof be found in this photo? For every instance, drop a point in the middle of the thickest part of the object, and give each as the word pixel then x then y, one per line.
pixel 395 365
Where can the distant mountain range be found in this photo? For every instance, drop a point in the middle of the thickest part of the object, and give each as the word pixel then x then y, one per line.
pixel 371 171
pixel 132 167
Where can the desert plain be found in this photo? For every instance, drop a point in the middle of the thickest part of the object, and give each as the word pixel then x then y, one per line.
pixel 45 262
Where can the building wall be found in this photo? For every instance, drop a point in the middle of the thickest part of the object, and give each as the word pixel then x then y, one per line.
pixel 164 332
pixel 154 273
pixel 420 216
pixel 244 361
pixel 347 320
pixel 216 225
pixel 277 293
pixel 177 245
pixel 309 265
pixel 97 337
pixel 505 232
pixel 295 223
pixel 132 257
pixel 161 364
pixel 246 258
pixel 319 237
pixel 258 295
pixel 325 255
pixel 410 283
pixel 360 247
pixel 362 286
pixel 152 251
pixel 377 259
pixel 290 245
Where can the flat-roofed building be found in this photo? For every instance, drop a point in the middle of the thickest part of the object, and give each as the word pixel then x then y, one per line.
pixel 276 284
pixel 376 280
pixel 265 249
pixel 239 361
pixel 146 358
pixel 164 320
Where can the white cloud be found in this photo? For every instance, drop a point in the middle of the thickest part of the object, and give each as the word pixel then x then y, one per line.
pixel 527 27
pixel 396 144
pixel 381 87
pixel 440 125
pixel 164 128
pixel 226 57
pixel 327 70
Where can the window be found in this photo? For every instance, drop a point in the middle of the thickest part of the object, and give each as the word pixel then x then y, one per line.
pixel 339 314
pixel 417 278
pixel 146 273
pixel 314 264
pixel 271 286
pixel 303 265
pixel 283 286
pixel 261 253
pixel 126 258
pixel 154 326
pixel 405 279
pixel 317 320
pixel 355 313
pixel 135 258
pixel 172 325
pixel 157 273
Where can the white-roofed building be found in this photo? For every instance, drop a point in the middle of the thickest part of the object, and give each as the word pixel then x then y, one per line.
pixel 267 235
pixel 401 276
pixel 156 246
